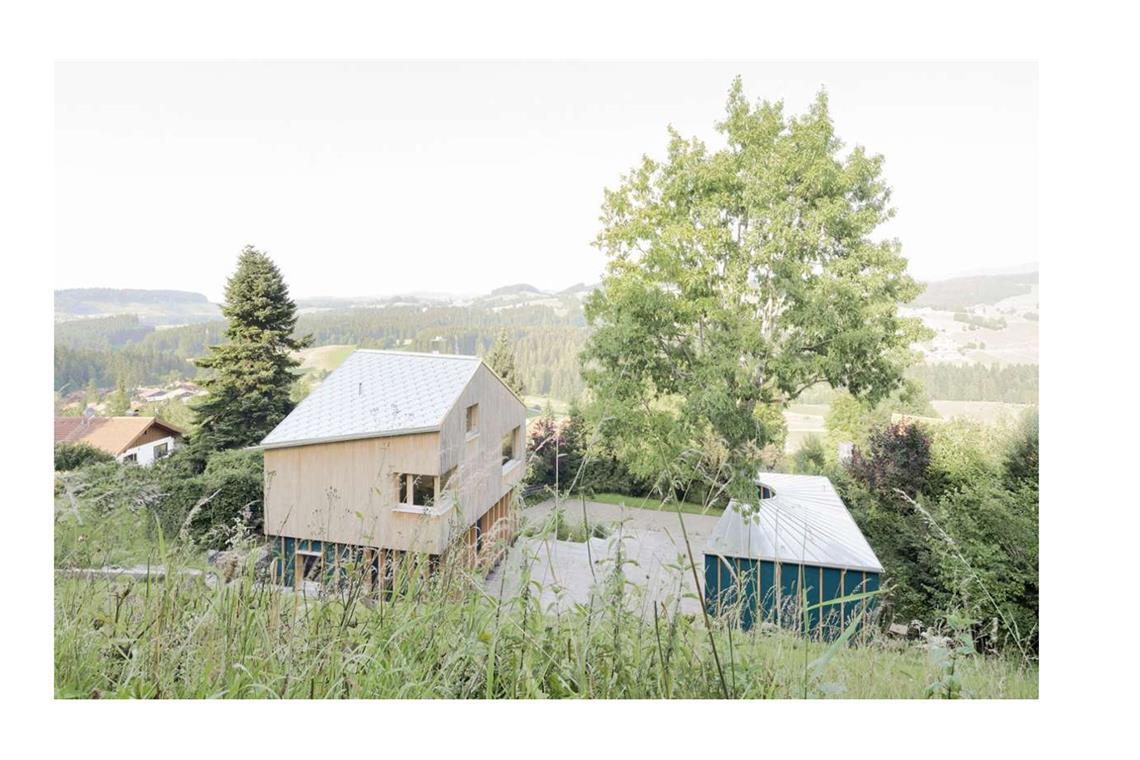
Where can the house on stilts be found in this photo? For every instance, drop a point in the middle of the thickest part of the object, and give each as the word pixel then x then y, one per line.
pixel 395 456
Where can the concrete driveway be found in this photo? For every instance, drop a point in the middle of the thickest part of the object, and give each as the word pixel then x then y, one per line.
pixel 655 559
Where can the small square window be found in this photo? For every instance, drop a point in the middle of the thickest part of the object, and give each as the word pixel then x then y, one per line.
pixel 416 490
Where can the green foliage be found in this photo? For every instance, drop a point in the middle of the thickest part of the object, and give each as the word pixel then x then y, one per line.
pixel 810 458
pixel 544 447
pixel 990 563
pixel 200 498
pixel 72 456
pixel 177 413
pixel 100 351
pixel 966 542
pixel 545 339
pixel 252 373
pixel 119 402
pixel 1013 383
pixel 1021 460
pixel 501 358
pixel 964 452
pixel 976 320
pixel 446 637
pixel 897 458
pixel 739 278
pixel 849 420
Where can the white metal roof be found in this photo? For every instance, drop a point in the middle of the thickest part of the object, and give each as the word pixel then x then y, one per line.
pixel 803 522
pixel 377 393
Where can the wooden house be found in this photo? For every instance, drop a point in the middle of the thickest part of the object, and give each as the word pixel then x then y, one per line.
pixel 140 440
pixel 395 453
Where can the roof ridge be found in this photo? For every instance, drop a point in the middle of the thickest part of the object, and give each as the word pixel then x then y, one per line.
pixel 390 352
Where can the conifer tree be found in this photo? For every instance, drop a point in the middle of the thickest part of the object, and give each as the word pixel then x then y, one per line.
pixel 501 358
pixel 251 373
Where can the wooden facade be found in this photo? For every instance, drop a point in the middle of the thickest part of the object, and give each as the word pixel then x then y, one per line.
pixel 356 494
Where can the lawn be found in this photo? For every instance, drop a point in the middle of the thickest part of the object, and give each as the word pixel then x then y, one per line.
pixel 650 502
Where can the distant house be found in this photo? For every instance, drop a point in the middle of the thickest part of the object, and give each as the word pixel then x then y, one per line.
pixel 797 543
pixel 142 440
pixel 394 454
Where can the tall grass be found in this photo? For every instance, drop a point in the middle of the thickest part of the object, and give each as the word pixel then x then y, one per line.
pixel 446 635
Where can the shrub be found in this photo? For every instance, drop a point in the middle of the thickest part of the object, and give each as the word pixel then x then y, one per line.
pixel 991 567
pixel 897 457
pixel 1021 458
pixel 810 458
pixel 230 491
pixel 73 456
pixel 963 452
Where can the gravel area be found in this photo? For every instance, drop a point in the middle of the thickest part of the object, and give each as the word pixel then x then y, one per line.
pixel 656 563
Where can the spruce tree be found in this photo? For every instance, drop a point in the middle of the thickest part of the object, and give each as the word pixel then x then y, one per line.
pixel 501 358
pixel 251 373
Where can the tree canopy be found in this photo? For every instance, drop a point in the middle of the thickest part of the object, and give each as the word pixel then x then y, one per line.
pixel 739 277
pixel 250 375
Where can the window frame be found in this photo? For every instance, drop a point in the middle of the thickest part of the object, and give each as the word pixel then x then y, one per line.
pixel 513 436
pixel 471 420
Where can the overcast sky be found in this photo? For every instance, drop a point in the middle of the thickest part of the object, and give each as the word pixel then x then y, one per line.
pixel 379 178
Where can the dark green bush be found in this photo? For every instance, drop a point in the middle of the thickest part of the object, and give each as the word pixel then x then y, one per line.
pixel 227 493
pixel 226 487
pixel 72 456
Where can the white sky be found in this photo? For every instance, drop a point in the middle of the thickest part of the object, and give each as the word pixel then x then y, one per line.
pixel 386 177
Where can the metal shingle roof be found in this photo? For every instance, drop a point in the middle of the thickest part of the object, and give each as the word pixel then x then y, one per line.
pixel 377 393
pixel 804 522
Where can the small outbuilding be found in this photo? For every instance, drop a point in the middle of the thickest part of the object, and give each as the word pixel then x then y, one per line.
pixel 797 543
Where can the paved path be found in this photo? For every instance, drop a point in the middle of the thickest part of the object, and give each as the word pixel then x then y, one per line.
pixel 656 563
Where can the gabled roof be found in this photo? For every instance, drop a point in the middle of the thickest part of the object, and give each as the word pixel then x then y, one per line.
pixel 377 393
pixel 803 522
pixel 111 434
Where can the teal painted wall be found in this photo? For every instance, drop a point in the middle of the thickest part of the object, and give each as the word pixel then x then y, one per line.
pixel 749 587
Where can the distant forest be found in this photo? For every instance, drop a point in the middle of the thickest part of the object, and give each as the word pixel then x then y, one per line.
pixel 546 339
pixel 960 293
pixel 1013 383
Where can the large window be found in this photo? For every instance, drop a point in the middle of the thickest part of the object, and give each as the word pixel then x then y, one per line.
pixel 473 419
pixel 161 450
pixel 510 446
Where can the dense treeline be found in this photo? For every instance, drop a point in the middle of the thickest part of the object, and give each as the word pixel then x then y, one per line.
pixel 960 293
pixel 546 342
pixel 1014 383
pixel 546 339
pixel 76 368
pixel 102 332
pixel 112 350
